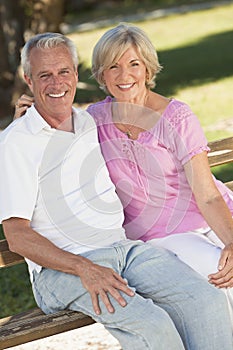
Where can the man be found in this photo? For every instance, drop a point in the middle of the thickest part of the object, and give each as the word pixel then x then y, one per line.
pixel 60 211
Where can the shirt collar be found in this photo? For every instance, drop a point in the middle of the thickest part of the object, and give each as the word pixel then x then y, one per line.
pixel 36 122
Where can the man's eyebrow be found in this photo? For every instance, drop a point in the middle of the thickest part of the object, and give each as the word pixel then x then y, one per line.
pixel 48 71
pixel 42 72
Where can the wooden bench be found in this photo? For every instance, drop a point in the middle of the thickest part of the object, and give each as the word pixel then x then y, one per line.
pixel 33 324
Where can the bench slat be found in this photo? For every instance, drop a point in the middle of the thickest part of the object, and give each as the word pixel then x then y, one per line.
pixel 34 324
pixel 8 258
pixel 229 185
pixel 220 159
pixel 221 151
pixel 221 144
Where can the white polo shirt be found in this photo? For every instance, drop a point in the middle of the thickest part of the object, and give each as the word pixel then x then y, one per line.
pixel 59 181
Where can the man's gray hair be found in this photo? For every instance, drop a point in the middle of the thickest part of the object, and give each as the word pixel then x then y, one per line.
pixel 47 41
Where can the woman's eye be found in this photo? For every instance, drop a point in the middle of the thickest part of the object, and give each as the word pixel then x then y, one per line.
pixel 135 64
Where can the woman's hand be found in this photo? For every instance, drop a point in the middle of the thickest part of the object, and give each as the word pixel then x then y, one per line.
pixel 22 105
pixel 224 277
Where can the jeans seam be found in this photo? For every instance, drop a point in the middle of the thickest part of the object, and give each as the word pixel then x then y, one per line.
pixel 60 305
pixel 98 319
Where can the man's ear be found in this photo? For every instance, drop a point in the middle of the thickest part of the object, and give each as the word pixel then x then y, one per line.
pixel 29 82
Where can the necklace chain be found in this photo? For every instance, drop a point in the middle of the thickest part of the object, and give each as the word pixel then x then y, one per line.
pixel 128 131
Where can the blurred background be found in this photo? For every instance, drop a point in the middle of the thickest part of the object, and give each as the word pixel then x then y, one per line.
pixel 194 40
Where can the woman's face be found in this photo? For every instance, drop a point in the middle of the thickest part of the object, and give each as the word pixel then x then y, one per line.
pixel 126 78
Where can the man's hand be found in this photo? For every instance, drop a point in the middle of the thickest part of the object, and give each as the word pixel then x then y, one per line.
pixel 224 277
pixel 101 281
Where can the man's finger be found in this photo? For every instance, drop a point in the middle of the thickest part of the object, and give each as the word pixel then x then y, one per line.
pixel 95 303
pixel 106 302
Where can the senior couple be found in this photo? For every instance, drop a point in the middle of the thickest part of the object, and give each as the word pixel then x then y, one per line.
pixel 83 245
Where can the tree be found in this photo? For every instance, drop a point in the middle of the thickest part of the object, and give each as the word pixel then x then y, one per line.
pixel 19 20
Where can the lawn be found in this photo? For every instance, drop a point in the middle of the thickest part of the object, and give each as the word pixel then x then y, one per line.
pixel 196 52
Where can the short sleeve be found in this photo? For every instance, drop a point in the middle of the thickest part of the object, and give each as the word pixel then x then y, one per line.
pixel 18 182
pixel 186 134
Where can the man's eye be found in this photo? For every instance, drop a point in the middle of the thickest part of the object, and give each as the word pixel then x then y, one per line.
pixel 113 66
pixel 44 76
pixel 64 72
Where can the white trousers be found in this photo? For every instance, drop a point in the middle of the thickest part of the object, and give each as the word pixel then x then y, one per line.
pixel 200 249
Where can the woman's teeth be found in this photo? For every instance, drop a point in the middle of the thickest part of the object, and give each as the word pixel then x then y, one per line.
pixel 125 86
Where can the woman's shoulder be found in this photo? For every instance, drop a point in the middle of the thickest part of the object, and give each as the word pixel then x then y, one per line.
pixel 177 111
pixel 101 110
pixel 100 105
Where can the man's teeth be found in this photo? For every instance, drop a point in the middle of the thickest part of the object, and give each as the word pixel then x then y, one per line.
pixel 125 86
pixel 57 95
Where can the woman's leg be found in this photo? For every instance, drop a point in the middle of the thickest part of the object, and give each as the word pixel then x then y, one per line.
pixel 199 251
pixel 195 249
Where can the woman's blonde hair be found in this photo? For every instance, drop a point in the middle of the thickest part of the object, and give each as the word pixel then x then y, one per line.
pixel 112 45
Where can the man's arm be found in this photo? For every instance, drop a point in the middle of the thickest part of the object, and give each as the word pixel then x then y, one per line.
pixel 98 280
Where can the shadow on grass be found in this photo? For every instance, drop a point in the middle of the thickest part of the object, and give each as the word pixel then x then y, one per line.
pixel 205 61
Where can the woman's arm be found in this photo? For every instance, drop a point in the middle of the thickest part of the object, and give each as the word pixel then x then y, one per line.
pixel 215 211
pixel 22 105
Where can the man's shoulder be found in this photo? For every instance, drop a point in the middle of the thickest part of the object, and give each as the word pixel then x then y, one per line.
pixel 83 119
pixel 13 129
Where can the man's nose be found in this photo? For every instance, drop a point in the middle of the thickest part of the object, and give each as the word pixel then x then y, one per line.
pixel 55 79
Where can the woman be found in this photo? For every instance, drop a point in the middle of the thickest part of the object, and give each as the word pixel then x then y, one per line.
pixel 156 154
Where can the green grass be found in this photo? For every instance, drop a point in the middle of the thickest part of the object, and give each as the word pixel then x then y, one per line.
pixel 15 292
pixel 197 53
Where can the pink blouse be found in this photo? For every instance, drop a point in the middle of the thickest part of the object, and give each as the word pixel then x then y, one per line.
pixel 148 172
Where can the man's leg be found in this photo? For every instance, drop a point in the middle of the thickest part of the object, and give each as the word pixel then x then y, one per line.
pixel 139 325
pixel 198 310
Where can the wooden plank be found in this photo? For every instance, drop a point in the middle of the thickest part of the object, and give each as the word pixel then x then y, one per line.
pixel 221 144
pixel 221 151
pixel 229 185
pixel 34 324
pixel 8 258
pixel 220 157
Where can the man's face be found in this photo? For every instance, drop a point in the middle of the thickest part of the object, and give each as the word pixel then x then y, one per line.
pixel 53 83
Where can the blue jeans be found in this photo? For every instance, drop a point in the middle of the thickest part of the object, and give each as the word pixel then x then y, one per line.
pixel 173 307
